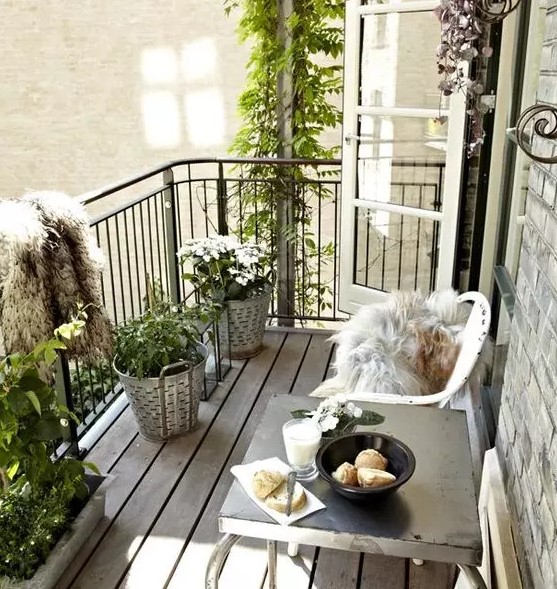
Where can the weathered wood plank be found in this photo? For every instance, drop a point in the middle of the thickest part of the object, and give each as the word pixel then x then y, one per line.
pixel 380 572
pixel 336 569
pixel 196 555
pixel 106 452
pixel 280 381
pixel 192 493
pixel 294 572
pixel 438 575
pixel 315 365
pixel 110 557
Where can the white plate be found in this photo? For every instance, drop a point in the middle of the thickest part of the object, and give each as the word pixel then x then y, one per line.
pixel 244 473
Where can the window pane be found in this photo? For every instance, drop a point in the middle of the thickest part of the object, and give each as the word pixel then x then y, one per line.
pixel 395 251
pixel 398 61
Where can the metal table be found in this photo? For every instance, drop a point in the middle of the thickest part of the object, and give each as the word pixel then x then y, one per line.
pixel 434 516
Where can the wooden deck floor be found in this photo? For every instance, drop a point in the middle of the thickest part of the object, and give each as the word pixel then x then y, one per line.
pixel 162 505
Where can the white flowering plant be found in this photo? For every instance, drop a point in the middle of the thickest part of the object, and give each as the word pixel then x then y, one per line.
pixel 224 269
pixel 336 415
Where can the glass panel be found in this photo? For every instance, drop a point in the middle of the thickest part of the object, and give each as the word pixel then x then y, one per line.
pixel 395 251
pixel 401 160
pixel 398 61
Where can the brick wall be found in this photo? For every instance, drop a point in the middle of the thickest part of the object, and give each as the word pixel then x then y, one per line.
pixel 96 91
pixel 527 436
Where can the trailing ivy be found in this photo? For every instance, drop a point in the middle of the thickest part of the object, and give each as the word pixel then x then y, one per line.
pixel 315 34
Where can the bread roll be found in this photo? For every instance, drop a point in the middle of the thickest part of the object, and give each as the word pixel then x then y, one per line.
pixel 347 474
pixel 373 477
pixel 371 459
pixel 266 481
pixel 278 498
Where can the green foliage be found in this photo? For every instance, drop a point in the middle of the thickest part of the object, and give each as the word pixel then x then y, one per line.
pixel 316 34
pixel 36 492
pixel 163 335
pixel 30 417
pixel 90 383
pixel 30 524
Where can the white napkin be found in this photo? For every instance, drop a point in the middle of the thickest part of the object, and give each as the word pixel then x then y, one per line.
pixel 244 473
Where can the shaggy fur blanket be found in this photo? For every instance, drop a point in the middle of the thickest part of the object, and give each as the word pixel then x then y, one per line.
pixel 48 264
pixel 407 345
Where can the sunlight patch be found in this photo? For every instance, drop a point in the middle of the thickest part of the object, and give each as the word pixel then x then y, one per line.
pixel 159 65
pixel 205 117
pixel 161 119
pixel 199 60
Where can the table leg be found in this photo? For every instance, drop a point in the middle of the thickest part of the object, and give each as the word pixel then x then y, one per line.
pixel 473 575
pixel 217 558
pixel 292 549
pixel 272 572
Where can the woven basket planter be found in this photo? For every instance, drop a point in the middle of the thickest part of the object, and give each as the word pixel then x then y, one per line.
pixel 166 407
pixel 242 327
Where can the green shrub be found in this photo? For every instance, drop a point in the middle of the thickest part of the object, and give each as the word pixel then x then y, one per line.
pixel 30 525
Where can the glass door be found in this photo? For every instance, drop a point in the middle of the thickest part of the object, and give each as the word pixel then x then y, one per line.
pixel 402 154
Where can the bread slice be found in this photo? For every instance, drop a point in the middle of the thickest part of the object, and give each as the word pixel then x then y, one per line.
pixel 278 498
pixel 373 477
pixel 266 481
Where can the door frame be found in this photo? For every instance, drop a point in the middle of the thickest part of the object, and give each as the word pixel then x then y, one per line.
pixel 351 295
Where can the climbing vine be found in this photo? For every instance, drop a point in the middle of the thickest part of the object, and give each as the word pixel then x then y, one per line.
pixel 315 42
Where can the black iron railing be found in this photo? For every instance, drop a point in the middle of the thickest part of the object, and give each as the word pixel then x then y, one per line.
pixel 141 222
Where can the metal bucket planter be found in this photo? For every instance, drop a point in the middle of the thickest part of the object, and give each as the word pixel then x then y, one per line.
pixel 167 407
pixel 242 326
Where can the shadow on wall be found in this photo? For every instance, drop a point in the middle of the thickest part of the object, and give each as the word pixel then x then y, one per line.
pixel 102 92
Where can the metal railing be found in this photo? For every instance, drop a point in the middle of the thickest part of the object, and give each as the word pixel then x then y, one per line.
pixel 141 222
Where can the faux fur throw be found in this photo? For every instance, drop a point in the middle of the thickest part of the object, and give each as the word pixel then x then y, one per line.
pixel 407 345
pixel 48 263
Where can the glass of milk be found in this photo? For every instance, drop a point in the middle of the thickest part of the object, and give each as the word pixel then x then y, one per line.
pixel 301 441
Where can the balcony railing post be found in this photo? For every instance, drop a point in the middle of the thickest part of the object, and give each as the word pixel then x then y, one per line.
pixel 286 271
pixel 222 203
pixel 65 396
pixel 172 265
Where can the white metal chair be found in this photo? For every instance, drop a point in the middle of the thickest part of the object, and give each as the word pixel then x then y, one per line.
pixel 474 336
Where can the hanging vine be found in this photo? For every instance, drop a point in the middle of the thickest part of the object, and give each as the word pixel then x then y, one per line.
pixel 463 43
pixel 315 34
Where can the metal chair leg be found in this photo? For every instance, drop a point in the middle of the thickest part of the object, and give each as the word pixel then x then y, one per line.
pixel 272 571
pixel 217 559
pixel 293 549
pixel 473 575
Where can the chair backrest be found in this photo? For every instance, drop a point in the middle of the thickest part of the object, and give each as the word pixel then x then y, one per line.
pixel 473 337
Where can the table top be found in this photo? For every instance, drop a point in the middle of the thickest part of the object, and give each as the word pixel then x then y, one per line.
pixel 434 516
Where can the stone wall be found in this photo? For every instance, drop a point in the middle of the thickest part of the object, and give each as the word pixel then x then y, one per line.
pixel 527 436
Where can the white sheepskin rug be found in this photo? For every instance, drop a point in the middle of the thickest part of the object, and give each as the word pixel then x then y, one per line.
pixel 407 345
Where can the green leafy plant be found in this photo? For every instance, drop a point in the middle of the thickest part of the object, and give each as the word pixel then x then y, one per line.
pixel 309 59
pixel 36 492
pixel 163 335
pixel 225 269
pixel 30 417
pixel 91 383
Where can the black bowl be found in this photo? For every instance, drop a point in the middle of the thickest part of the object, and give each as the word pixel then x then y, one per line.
pixel 345 449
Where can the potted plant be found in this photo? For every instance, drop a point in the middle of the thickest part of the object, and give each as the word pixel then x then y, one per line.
pixel 161 365
pixel 235 277
pixel 47 509
pixel 336 416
